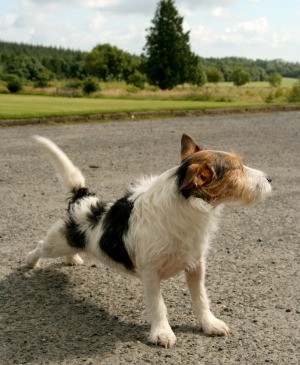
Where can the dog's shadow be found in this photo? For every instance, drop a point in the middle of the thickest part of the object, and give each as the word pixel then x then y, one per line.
pixel 41 320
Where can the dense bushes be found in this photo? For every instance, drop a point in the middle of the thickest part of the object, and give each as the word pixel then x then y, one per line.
pixel 275 79
pixel 295 93
pixel 90 85
pixel 42 79
pixel 240 77
pixel 137 79
pixel 214 75
pixel 14 84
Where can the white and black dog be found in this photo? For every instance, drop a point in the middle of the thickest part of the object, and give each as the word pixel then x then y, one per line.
pixel 161 227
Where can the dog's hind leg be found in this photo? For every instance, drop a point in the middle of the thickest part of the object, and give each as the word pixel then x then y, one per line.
pixel 54 245
pixel 74 260
pixel 195 281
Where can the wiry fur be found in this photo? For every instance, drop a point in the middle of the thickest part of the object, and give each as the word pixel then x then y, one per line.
pixel 71 177
pixel 162 226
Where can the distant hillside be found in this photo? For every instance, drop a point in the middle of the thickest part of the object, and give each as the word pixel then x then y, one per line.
pixel 27 61
pixel 37 51
pixel 258 69
pixel 30 62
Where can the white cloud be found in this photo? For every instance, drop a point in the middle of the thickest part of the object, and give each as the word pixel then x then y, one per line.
pixel 50 5
pixel 122 7
pixel 259 25
pixel 97 22
pixel 279 38
pixel 7 21
pixel 252 38
pixel 258 32
pixel 130 6
pixel 219 12
pixel 98 4
pixel 202 35
pixel 184 10
pixel 217 27
pixel 195 4
pixel 111 6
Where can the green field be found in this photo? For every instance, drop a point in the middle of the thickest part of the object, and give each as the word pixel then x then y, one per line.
pixel 30 106
pixel 114 98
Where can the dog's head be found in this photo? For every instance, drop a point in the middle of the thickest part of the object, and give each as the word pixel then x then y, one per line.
pixel 218 177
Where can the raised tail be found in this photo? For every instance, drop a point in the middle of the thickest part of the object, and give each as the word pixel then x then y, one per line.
pixel 70 176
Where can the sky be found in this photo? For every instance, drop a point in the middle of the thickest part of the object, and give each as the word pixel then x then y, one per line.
pixel 264 29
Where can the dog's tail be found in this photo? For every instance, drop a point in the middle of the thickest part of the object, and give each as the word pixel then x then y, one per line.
pixel 70 176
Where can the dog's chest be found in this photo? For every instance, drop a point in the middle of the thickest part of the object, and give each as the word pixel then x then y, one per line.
pixel 182 256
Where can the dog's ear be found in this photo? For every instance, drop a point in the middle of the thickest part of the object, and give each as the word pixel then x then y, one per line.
pixel 197 175
pixel 188 146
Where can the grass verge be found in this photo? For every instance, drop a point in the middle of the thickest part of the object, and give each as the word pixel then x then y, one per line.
pixel 34 106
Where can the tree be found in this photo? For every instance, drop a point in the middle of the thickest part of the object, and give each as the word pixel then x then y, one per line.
pixel 240 77
pixel 109 63
pixel 167 49
pixel 275 79
pixel 200 77
pixel 257 73
pixel 214 75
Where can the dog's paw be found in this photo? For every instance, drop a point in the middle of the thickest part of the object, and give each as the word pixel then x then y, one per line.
pixel 32 260
pixel 163 337
pixel 74 260
pixel 214 326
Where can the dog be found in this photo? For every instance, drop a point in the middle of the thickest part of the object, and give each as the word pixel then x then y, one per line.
pixel 161 226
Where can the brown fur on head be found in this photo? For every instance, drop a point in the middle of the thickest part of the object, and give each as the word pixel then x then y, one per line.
pixel 210 175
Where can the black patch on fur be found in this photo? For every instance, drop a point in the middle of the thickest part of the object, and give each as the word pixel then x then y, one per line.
pixel 78 194
pixel 115 226
pixel 96 213
pixel 75 237
pixel 74 234
pixel 180 177
pixel 220 171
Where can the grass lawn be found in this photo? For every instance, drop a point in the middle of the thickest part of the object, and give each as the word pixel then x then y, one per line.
pixel 114 98
pixel 29 106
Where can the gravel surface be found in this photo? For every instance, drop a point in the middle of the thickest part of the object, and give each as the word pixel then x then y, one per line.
pixel 93 315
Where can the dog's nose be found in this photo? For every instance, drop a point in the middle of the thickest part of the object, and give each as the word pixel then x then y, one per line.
pixel 269 179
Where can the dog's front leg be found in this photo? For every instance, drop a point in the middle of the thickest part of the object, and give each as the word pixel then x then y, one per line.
pixel 161 332
pixel 195 281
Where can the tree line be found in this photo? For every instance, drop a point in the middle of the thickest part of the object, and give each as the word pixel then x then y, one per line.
pixel 167 60
pixel 30 62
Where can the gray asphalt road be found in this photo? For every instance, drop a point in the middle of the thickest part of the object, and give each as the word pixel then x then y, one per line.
pixel 92 315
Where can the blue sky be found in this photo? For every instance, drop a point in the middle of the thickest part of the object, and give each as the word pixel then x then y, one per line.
pixel 265 29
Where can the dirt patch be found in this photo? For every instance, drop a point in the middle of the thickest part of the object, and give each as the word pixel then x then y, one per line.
pixel 93 315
